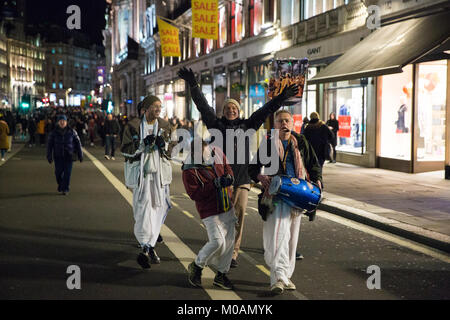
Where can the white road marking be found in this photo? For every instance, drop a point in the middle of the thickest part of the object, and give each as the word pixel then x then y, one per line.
pixel 386 236
pixel 181 251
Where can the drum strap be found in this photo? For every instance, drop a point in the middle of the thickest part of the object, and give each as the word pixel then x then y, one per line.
pixel 286 151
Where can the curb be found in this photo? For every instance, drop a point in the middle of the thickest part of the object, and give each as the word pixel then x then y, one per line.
pixel 430 238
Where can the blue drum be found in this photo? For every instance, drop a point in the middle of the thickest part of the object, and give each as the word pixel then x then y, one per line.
pixel 297 193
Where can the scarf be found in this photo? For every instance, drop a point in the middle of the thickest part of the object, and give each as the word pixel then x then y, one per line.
pixel 300 171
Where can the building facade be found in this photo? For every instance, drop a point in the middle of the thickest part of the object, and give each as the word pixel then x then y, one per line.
pixel 406 131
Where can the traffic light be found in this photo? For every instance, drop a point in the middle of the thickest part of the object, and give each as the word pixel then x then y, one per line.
pixel 26 102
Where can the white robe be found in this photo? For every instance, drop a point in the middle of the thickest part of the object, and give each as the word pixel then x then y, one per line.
pixel 280 236
pixel 151 199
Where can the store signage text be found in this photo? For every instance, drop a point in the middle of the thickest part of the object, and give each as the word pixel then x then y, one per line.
pixel 314 50
pixel 170 42
pixel 205 19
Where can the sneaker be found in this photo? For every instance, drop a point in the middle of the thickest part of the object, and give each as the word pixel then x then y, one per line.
pixel 290 286
pixel 277 288
pixel 112 158
pixel 233 263
pixel 143 260
pixel 153 256
pixel 195 275
pixel 160 239
pixel 221 280
pixel 298 256
pixel 106 157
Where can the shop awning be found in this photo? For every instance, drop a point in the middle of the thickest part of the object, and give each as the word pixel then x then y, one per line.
pixel 389 49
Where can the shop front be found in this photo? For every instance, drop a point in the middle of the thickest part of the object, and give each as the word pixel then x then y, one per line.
pixel 391 91
pixel 237 83
pixel 258 78
pixel 220 89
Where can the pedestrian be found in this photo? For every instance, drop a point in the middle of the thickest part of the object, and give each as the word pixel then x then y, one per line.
pixel 304 124
pixel 281 221
pixel 4 132
pixel 207 178
pixel 41 130
pixel 111 132
pixel 62 147
pixel 231 120
pixel 319 136
pixel 144 143
pixel 91 130
pixel 333 125
pixel 32 131
pixel 9 118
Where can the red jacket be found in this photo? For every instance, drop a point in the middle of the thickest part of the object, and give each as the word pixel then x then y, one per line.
pixel 198 181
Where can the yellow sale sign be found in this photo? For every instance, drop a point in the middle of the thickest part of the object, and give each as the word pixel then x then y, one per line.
pixel 205 17
pixel 170 41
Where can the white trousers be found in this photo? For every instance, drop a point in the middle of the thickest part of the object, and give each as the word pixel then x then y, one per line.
pixel 218 251
pixel 148 218
pixel 280 236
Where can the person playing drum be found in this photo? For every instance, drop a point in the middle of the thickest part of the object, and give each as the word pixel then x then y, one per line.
pixel 282 225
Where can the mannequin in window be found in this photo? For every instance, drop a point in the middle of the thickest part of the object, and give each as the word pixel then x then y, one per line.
pixel 401 125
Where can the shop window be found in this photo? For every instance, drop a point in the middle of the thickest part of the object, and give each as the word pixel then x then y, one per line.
pixel 313 8
pixel 206 86
pixel 309 95
pixel 255 14
pixel 396 115
pixel 347 99
pixel 220 89
pixel 222 27
pixel 431 106
pixel 236 22
pixel 290 12
pixel 258 81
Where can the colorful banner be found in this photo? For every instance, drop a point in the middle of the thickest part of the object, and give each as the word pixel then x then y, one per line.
pixel 345 126
pixel 285 73
pixel 205 17
pixel 170 41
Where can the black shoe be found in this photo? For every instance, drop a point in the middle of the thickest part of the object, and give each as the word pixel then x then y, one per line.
pixel 153 256
pixel 298 256
pixel 311 215
pixel 143 260
pixel 160 239
pixel 233 263
pixel 195 275
pixel 221 280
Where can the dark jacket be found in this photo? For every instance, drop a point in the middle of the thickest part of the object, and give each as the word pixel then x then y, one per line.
pixel 319 136
pixel 198 181
pixel 255 121
pixel 335 125
pixel 63 144
pixel 310 161
pixel 112 127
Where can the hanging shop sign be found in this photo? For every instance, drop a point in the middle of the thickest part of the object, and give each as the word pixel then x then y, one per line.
pixel 345 126
pixel 205 19
pixel 285 73
pixel 170 41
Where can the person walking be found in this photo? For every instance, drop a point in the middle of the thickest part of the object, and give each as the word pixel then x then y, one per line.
pixel 231 120
pixel 207 178
pixel 32 131
pixel 333 125
pixel 4 132
pixel 144 144
pixel 319 136
pixel 281 228
pixel 11 121
pixel 111 132
pixel 63 145
pixel 41 130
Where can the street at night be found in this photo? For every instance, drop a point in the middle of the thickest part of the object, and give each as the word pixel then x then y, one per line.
pixel 220 158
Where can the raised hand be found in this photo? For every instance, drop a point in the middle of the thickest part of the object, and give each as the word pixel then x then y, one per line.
pixel 288 92
pixel 187 75
pixel 149 140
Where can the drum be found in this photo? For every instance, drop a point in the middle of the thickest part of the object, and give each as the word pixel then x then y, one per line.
pixel 297 193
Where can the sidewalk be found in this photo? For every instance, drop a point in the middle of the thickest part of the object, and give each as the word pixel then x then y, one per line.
pixel 415 206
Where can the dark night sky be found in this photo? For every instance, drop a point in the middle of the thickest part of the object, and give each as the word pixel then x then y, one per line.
pixel 54 12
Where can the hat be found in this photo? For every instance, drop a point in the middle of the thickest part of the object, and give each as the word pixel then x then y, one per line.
pixel 61 117
pixel 314 115
pixel 147 102
pixel 227 101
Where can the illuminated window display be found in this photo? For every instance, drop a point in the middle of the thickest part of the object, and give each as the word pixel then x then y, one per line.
pixel 431 104
pixel 396 115
pixel 257 87
pixel 345 98
pixel 222 27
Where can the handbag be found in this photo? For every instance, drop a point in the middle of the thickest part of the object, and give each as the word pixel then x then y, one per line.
pixel 132 173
